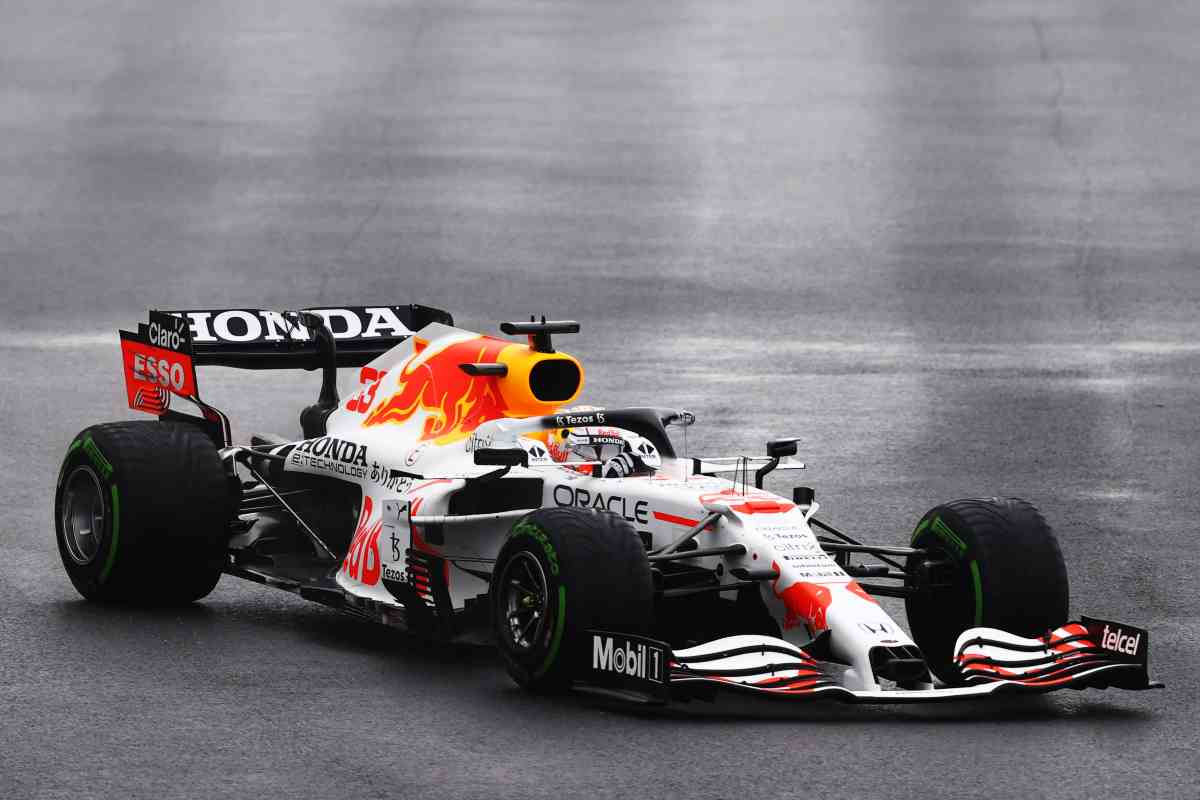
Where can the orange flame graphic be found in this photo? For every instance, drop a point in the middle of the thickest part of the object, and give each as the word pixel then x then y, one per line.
pixel 456 402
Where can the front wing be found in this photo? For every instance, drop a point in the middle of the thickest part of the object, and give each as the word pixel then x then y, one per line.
pixel 1092 654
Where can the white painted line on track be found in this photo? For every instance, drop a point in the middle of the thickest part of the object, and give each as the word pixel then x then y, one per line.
pixel 24 340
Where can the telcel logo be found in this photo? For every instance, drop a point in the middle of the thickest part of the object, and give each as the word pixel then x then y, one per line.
pixel 1119 641
pixel 633 659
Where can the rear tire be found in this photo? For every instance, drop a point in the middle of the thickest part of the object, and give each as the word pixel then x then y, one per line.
pixel 561 572
pixel 142 511
pixel 1005 571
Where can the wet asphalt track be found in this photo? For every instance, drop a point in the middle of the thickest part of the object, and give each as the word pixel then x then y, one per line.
pixel 955 247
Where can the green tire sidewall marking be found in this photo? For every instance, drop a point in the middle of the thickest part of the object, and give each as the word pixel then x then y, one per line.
pixel 97 458
pixel 978 584
pixel 538 535
pixel 556 641
pixel 115 538
pixel 920 529
pixel 944 532
pixel 75 445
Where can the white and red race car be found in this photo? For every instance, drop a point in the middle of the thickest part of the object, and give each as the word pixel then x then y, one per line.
pixel 458 493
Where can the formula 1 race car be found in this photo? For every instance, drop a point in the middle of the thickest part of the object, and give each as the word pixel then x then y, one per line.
pixel 458 494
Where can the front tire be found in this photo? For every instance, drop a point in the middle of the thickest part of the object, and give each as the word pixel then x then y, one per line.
pixel 1003 569
pixel 141 513
pixel 561 572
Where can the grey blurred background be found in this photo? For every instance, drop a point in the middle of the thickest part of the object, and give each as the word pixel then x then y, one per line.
pixel 951 246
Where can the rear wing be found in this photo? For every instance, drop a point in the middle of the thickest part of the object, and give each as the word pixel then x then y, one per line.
pixel 160 359
pixel 251 338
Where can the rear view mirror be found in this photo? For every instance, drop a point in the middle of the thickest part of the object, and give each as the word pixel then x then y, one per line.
pixel 779 448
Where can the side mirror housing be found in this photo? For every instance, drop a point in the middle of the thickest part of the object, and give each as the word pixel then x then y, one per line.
pixel 780 448
pixel 776 449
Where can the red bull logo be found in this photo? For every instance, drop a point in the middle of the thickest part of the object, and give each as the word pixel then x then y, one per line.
pixel 455 403
pixel 804 603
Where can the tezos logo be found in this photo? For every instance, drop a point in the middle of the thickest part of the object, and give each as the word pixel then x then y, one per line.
pixel 1119 641
pixel 631 659
pixel 566 420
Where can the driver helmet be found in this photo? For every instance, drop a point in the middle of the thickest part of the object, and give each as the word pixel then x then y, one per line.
pixel 620 452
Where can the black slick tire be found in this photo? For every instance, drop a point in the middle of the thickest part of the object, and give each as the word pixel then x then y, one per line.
pixel 582 569
pixel 1003 569
pixel 142 512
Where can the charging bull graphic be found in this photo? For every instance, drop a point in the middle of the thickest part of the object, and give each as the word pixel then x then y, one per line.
pixel 456 403
pixel 804 603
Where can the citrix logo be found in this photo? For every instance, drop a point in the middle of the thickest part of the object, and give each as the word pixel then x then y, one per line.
pixel 636 661
pixel 1119 641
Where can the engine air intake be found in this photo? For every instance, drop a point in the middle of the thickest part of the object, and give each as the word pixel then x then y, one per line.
pixel 554 380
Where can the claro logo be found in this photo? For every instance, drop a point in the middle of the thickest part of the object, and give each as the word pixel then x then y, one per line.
pixel 165 337
pixel 1119 641
pixel 631 659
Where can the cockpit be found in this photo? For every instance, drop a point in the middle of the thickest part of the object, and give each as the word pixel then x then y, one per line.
pixel 605 452
pixel 608 443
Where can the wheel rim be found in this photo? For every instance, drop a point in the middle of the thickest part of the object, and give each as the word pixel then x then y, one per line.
pixel 83 514
pixel 525 601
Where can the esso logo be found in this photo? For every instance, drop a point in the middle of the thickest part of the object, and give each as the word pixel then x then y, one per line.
pixel 163 337
pixel 159 370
